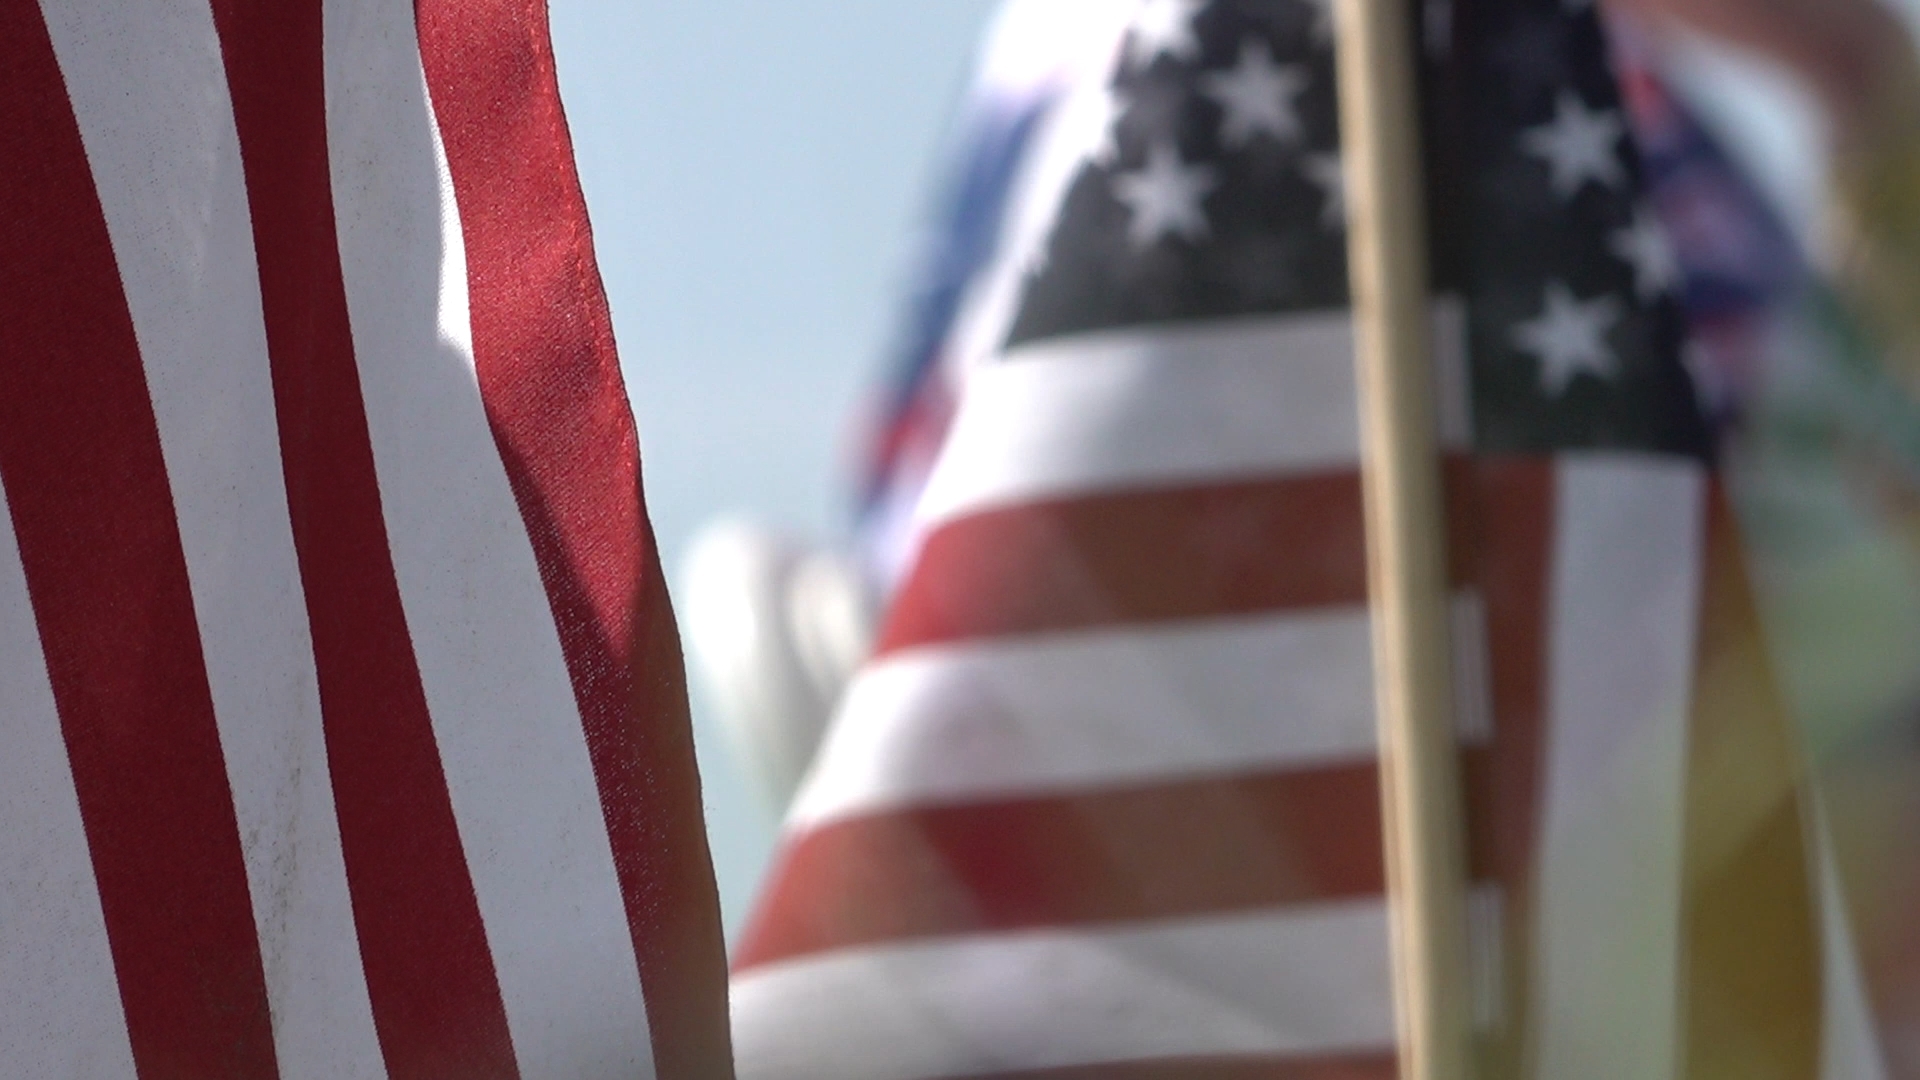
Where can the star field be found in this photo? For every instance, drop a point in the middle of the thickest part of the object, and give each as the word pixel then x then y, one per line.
pixel 1217 192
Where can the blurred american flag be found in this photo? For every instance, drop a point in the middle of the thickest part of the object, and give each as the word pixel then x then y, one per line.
pixel 1104 802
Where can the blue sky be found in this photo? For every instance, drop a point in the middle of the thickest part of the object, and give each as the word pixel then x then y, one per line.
pixel 754 170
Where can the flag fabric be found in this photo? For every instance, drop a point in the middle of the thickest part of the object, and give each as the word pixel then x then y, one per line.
pixel 1824 461
pixel 1104 803
pixel 1741 267
pixel 1033 56
pixel 342 730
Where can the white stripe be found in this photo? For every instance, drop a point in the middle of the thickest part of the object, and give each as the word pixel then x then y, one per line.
pixel 1301 982
pixel 1162 405
pixel 1849 1044
pixel 1486 958
pixel 1069 712
pixel 60 1012
pixel 149 91
pixel 504 713
pixel 1629 535
pixel 981 719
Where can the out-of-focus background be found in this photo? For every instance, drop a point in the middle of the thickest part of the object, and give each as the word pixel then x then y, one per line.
pixel 756 171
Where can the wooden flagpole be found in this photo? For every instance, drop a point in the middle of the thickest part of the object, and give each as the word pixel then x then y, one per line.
pixel 1406 536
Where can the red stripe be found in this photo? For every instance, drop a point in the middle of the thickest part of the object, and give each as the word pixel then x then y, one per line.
pixel 87 485
pixel 1188 847
pixel 1179 849
pixel 1144 556
pixel 1358 1066
pixel 1195 847
pixel 1513 507
pixel 543 343
pixel 436 1002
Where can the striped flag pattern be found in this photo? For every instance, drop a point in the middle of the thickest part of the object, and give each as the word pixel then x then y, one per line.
pixel 1105 804
pixel 342 731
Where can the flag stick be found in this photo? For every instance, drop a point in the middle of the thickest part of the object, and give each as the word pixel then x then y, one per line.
pixel 1406 537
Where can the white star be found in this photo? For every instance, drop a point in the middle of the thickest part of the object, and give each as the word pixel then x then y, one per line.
pixel 1578 145
pixel 1165 197
pixel 1322 29
pixel 1645 247
pixel 1258 96
pixel 1165 26
pixel 1328 174
pixel 1570 337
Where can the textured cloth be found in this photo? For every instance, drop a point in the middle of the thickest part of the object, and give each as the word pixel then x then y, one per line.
pixel 342 730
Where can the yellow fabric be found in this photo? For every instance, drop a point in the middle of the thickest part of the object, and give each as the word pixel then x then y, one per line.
pixel 1752 964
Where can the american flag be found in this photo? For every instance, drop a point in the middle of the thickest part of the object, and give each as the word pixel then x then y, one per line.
pixel 1104 803
pixel 342 731
pixel 1033 55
